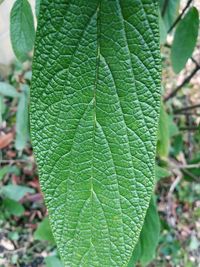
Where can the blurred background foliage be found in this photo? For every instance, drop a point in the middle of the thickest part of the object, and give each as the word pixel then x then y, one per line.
pixel 171 232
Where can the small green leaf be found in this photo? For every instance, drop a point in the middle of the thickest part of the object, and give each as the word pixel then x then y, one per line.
pixel 8 90
pixel 22 29
pixel 3 172
pixel 44 231
pixel 8 169
pixel 14 236
pixel 185 39
pixel 22 119
pixel 145 250
pixel 15 192
pixel 163 133
pixel 173 128
pixel 53 261
pixel 13 207
pixel 171 11
pixel 161 173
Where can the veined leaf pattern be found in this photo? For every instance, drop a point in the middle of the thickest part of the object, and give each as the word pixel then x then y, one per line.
pixel 94 113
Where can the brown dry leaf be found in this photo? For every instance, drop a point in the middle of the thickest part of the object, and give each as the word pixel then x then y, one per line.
pixel 5 140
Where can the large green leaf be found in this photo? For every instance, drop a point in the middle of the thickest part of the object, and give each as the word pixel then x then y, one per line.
pixel 94 112
pixel 22 29
pixel 185 39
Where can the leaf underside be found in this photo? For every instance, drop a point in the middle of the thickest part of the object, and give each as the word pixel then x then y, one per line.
pixel 94 112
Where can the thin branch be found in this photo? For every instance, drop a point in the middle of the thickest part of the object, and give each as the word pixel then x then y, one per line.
pixel 171 212
pixel 185 166
pixel 182 110
pixel 189 128
pixel 180 16
pixel 185 81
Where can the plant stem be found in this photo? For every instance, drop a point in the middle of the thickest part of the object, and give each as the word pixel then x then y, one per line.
pixel 186 80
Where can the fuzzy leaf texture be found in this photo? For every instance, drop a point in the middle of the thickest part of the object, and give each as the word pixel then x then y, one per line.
pixel 94 114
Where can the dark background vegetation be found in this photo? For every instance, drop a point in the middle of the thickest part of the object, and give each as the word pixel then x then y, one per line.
pixel 25 236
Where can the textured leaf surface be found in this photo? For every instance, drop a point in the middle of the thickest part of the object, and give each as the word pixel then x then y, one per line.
pixel 94 111
pixel 185 39
pixel 22 29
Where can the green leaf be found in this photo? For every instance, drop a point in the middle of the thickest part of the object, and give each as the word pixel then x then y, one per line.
pixel 161 173
pixel 94 113
pixel 13 207
pixel 148 241
pixel 185 39
pixel 37 8
pixel 22 120
pixel 8 90
pixel 15 192
pixel 44 232
pixel 53 261
pixel 163 30
pixel 163 133
pixel 171 11
pixel 22 29
pixel 173 128
pixel 8 169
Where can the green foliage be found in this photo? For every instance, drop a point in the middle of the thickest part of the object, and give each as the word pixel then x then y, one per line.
pixel 163 133
pixel 170 9
pixel 15 192
pixel 22 29
pixel 53 261
pixel 7 170
pixel 99 59
pixel 146 247
pixel 44 232
pixel 22 119
pixel 185 39
pixel 161 173
pixel 94 112
pixel 8 90
pixel 37 7
pixel 13 207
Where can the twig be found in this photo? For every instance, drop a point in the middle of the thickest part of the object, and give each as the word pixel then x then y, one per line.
pixel 186 80
pixel 189 128
pixel 180 110
pixel 169 208
pixel 180 16
pixel 189 166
